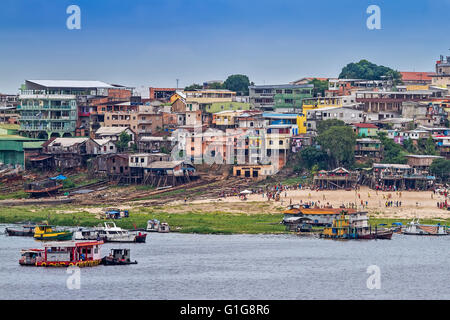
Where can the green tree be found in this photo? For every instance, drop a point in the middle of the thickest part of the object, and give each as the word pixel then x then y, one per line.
pixel 427 146
pixel 124 140
pixel 369 71
pixel 324 125
pixel 311 156
pixel 192 87
pixel 238 83
pixel 319 87
pixel 441 169
pixel 215 85
pixel 339 143
pixel 409 146
pixel 392 152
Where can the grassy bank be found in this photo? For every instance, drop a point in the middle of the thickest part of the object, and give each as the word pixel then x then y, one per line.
pixel 189 222
pixel 183 218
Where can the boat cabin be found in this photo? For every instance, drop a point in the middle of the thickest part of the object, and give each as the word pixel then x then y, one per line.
pixel 31 256
pixel 71 253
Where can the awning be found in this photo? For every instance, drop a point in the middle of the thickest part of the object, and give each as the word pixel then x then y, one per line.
pixel 40 158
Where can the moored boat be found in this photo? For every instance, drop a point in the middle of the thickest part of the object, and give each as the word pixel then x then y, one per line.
pixel 25 231
pixel 64 254
pixel 47 233
pixel 155 225
pixel 140 237
pixel 87 234
pixel 416 228
pixel 111 233
pixel 30 257
pixel 342 228
pixel 118 257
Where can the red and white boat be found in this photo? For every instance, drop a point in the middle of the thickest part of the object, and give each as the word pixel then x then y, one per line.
pixel 64 254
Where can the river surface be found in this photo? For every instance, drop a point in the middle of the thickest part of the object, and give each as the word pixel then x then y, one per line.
pixel 192 266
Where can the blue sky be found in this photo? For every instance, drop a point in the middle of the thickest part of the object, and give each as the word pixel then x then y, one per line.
pixel 152 43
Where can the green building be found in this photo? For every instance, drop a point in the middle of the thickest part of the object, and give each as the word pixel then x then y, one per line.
pixel 226 106
pixel 12 149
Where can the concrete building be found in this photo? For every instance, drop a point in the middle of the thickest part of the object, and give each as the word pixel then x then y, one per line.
pixel 49 108
pixel 288 97
pixel 378 101
pixel 368 149
pixel 442 76
pixel 346 114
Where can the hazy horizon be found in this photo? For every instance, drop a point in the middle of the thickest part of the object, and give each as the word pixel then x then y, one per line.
pixel 153 43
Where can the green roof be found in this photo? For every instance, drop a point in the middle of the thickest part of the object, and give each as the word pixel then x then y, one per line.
pixel 33 144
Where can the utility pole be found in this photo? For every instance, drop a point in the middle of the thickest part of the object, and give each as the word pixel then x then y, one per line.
pixel 177 83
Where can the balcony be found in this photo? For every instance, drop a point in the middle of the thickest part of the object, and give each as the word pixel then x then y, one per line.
pixel 83 114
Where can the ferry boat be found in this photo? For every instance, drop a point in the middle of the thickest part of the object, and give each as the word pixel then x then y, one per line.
pixel 157 226
pixel 342 228
pixel 111 233
pixel 46 232
pixel 416 228
pixel 118 257
pixel 64 254
pixel 25 231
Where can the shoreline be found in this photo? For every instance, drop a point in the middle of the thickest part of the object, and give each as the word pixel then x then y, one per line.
pixel 191 220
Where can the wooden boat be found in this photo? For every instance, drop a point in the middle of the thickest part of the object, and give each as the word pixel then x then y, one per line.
pixel 118 257
pixel 42 188
pixel 342 228
pixel 64 254
pixel 416 228
pixel 46 232
pixel 31 256
pixel 26 231
pixel 140 237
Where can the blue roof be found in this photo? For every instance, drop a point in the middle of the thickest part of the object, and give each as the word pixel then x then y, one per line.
pixel 60 177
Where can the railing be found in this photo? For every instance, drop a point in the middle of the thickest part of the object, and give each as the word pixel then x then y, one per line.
pixel 46 107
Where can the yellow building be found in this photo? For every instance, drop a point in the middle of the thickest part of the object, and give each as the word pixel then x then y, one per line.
pixel 313 104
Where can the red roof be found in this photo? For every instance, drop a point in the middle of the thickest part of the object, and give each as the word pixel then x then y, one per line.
pixel 365 125
pixel 416 76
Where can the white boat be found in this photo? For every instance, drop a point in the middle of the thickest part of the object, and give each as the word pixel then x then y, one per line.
pixel 415 228
pixel 87 234
pixel 111 233
pixel 156 226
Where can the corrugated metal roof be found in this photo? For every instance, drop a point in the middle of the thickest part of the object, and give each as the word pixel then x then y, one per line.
pixel 71 83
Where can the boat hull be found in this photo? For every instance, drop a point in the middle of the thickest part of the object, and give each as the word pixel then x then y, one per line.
pixel 141 238
pixel 106 261
pixel 80 264
pixel 19 233
pixel 60 236
pixel 378 235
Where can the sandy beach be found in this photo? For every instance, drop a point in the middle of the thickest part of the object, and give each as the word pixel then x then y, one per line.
pixel 420 204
